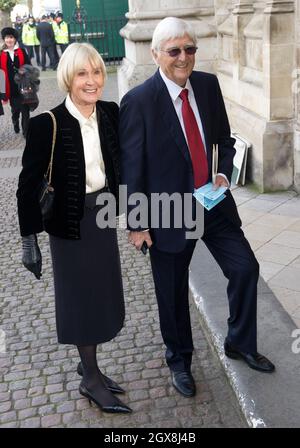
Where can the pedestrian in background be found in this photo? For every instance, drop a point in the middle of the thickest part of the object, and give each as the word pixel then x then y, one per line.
pixel 46 37
pixel 18 25
pixel 30 39
pixel 61 32
pixel 12 57
pixel 86 263
pixel 52 21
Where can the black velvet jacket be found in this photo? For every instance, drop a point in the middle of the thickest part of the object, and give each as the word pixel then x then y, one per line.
pixel 68 175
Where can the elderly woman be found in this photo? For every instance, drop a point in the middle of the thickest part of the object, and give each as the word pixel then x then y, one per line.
pixel 86 264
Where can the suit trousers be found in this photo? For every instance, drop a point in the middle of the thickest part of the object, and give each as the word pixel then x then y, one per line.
pixel 49 49
pixel 36 49
pixel 231 250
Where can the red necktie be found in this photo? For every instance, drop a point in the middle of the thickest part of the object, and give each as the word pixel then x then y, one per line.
pixel 195 143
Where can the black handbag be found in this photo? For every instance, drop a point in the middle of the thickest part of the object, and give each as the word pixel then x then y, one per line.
pixel 29 97
pixel 28 94
pixel 27 79
pixel 47 193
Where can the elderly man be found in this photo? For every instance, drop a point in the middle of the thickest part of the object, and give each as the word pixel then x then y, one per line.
pixel 168 126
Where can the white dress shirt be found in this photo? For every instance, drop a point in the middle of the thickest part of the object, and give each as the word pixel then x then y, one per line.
pixel 174 92
pixel 94 164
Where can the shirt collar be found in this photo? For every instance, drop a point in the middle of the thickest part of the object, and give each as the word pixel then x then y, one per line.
pixel 173 88
pixel 11 51
pixel 77 114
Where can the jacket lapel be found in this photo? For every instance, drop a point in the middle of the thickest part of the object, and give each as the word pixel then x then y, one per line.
pixel 170 118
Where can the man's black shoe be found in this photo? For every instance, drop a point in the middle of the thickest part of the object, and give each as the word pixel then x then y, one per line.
pixel 184 383
pixel 256 361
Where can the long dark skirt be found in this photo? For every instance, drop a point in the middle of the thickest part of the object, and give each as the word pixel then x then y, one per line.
pixel 88 284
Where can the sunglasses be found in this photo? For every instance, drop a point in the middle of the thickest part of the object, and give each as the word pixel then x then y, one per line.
pixel 174 52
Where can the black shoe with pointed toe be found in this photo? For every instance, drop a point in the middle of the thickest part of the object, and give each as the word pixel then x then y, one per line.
pixel 254 360
pixel 114 408
pixel 111 385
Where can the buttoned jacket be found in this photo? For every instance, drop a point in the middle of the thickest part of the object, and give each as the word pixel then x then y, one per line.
pixel 68 176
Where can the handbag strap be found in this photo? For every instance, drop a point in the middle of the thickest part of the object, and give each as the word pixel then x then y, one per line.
pixel 49 169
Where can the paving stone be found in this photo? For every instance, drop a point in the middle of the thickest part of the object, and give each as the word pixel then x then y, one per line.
pixel 40 400
pixel 68 406
pixel 50 420
pixel 26 413
pixel 31 423
pixel 5 406
pixel 22 404
pixel 58 398
pixel 52 388
pixel 8 417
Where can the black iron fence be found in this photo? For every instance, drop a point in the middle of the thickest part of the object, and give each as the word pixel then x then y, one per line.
pixel 103 35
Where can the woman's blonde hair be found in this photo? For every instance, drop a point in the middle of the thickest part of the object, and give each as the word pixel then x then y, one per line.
pixel 73 59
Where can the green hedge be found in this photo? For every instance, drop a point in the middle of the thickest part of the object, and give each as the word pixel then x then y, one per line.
pixel 7 5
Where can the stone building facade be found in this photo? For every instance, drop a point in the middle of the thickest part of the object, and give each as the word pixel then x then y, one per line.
pixel 254 49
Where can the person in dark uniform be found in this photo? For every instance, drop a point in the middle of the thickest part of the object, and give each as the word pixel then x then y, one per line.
pixel 86 264
pixel 12 57
pixel 45 35
pixel 18 25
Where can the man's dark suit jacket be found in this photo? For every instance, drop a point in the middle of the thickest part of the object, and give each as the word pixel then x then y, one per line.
pixel 45 34
pixel 154 154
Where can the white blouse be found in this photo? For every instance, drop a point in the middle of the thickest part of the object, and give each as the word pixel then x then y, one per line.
pixel 94 164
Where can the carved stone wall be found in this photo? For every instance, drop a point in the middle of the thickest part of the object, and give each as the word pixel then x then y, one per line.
pixel 143 17
pixel 257 83
pixel 296 96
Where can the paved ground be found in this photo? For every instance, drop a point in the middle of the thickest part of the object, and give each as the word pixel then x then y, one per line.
pixel 38 383
pixel 272 225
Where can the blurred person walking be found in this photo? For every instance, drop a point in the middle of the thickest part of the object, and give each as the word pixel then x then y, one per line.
pixel 30 40
pixel 46 37
pixel 12 57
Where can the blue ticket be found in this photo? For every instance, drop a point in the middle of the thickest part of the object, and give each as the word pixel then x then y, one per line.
pixel 208 197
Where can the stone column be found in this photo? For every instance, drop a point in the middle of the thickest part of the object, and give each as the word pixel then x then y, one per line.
pixel 278 60
pixel 296 93
pixel 143 17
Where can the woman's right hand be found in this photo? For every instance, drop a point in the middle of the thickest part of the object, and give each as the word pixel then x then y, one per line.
pixel 32 258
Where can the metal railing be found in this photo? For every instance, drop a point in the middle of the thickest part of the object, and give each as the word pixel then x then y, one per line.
pixel 103 35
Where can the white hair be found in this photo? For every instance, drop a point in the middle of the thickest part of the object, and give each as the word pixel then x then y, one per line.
pixel 171 28
pixel 73 59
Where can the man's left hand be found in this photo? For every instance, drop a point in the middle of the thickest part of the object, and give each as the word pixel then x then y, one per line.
pixel 220 182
